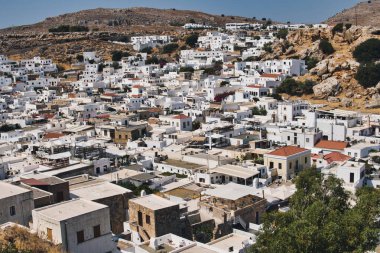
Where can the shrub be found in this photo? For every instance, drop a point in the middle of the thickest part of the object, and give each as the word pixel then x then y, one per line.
pixel 9 127
pixel 368 74
pixel 80 58
pixel 169 48
pixel 282 33
pixel 117 55
pixel 367 51
pixel 259 111
pixel 338 28
pixel 295 88
pixel 186 69
pixel 67 28
pixel 326 47
pixel 268 48
pixel 192 39
pixel 147 50
pixel 311 62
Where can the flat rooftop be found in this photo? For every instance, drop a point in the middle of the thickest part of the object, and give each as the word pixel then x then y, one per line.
pixel 153 202
pixel 198 249
pixel 181 164
pixel 99 191
pixel 9 190
pixel 235 171
pixel 237 241
pixel 230 191
pixel 70 209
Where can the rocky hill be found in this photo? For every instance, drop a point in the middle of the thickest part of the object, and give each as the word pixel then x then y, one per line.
pixel 333 73
pixel 366 13
pixel 131 19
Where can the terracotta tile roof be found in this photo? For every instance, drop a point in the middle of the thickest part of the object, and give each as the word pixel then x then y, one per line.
pixel 287 151
pixel 336 157
pixel 254 86
pixel 334 145
pixel 102 116
pixel 110 94
pixel 137 86
pixel 53 135
pixel 181 116
pixel 32 182
pixel 153 109
pixel 270 75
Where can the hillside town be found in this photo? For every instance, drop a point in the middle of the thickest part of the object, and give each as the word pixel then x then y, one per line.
pixel 138 154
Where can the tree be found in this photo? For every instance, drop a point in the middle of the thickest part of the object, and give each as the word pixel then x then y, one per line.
pixel 295 88
pixel 79 58
pixel 192 40
pixel 311 62
pixel 117 55
pixel 186 69
pixel 368 51
pixel 338 28
pixel 282 34
pixel 268 47
pixel 147 50
pixel 192 21
pixel 368 74
pixel 169 48
pixel 321 220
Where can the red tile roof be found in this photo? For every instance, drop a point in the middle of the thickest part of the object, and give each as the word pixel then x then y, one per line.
pixel 270 75
pixel 336 157
pixel 137 86
pixel 53 135
pixel 181 116
pixel 287 151
pixel 32 182
pixel 334 145
pixel 254 86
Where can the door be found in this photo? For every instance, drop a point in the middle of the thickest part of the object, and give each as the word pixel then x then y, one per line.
pixel 49 233
pixel 140 218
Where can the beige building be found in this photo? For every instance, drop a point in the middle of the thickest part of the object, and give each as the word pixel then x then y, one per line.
pixel 287 162
pixel 153 216
pixel 16 204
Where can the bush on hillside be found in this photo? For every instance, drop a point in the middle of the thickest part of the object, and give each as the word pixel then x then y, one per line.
pixel 326 47
pixel 368 74
pixel 282 33
pixel 192 40
pixel 295 88
pixel 169 48
pixel 117 55
pixel 67 28
pixel 367 51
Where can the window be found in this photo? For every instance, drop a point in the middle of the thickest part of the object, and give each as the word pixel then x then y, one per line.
pixel 49 234
pixel 271 165
pixel 288 138
pixel 12 210
pixel 96 231
pixel 147 219
pixel 307 139
pixel 80 236
pixel 290 165
pixel 352 177
pixel 305 159
pixel 279 166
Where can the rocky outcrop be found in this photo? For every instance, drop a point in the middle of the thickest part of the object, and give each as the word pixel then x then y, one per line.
pixel 328 87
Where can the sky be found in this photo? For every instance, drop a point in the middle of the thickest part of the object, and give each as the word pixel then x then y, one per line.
pixel 19 12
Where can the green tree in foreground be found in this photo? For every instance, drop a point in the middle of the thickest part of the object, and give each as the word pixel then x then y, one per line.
pixel 322 220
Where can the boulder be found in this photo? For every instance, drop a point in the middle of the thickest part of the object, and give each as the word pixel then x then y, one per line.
pixel 347 102
pixel 328 87
pixel 321 68
pixel 333 99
